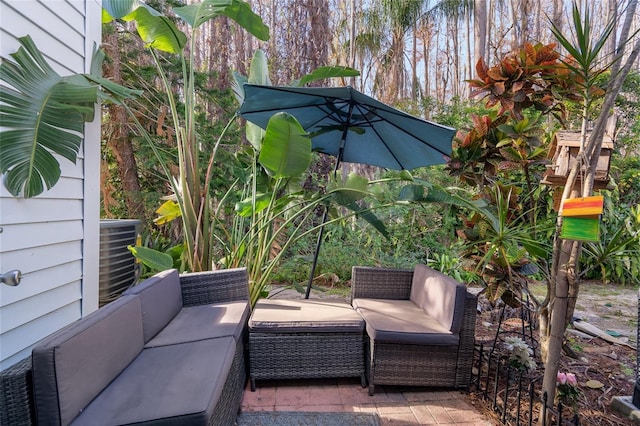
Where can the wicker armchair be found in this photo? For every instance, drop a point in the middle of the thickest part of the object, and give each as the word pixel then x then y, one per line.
pixel 409 355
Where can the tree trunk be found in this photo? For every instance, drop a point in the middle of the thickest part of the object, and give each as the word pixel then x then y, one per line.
pixel 396 88
pixel 317 53
pixel 414 67
pixel 567 252
pixel 489 28
pixel 118 135
pixel 612 14
pixel 456 57
pixel 558 13
pixel 427 58
pixel 480 31
pixel 554 334
pixel 352 40
pixel 469 74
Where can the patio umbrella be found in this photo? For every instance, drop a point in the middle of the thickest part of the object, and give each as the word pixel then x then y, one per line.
pixel 353 127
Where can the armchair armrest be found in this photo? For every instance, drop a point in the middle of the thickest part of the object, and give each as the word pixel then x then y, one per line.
pixel 224 285
pixel 380 283
pixel 467 340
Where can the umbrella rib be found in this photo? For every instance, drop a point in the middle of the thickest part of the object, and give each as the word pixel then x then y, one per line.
pixel 328 112
pixel 380 137
pixel 407 132
pixel 278 109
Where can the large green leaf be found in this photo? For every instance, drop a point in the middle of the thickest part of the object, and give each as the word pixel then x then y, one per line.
pixel 197 14
pixel 237 85
pixel 259 70
pixel 118 9
pixel 42 114
pixel 109 91
pixel 155 29
pixel 354 189
pixel 286 150
pixel 154 259
pixel 258 74
pixel 245 208
pixel 323 73
pixel 158 32
pixel 241 12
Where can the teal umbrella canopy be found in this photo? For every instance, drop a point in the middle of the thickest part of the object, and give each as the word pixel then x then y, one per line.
pixel 352 126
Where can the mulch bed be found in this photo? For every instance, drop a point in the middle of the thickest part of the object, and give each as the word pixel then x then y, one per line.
pixel 612 365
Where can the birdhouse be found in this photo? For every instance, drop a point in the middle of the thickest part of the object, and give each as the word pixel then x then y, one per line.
pixel 563 154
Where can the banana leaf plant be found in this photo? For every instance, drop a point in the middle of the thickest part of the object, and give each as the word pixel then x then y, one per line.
pixel 160 34
pixel 42 115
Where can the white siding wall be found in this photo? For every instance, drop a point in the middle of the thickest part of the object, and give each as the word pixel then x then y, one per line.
pixel 53 238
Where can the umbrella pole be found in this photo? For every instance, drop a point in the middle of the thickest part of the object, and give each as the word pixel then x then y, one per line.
pixel 321 234
pixel 317 253
pixel 326 209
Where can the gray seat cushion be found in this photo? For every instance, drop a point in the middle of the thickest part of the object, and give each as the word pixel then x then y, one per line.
pixel 304 316
pixel 402 321
pixel 439 295
pixel 204 322
pixel 73 365
pixel 177 384
pixel 161 299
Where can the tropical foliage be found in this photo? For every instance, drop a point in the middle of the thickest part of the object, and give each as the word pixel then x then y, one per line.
pixel 43 114
pixel 616 257
pixel 269 214
pixel 191 185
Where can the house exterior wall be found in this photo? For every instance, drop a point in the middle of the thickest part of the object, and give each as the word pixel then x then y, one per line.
pixel 53 239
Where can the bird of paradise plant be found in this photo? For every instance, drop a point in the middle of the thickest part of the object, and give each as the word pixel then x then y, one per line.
pixel 190 186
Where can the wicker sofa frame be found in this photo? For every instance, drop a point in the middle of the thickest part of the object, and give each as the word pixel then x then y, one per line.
pixel 206 288
pixel 408 364
pixel 16 393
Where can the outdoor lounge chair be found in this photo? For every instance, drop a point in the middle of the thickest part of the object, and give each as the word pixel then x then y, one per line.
pixel 420 326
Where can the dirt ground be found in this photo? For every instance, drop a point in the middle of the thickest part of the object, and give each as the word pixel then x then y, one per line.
pixel 610 308
pixel 614 310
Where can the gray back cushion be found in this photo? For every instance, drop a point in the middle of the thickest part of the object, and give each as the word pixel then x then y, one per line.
pixel 161 300
pixel 439 295
pixel 73 365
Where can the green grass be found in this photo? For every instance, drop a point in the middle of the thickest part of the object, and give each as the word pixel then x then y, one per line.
pixel 627 371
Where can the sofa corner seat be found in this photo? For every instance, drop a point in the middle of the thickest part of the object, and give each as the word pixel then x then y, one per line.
pixel 420 326
pixel 148 359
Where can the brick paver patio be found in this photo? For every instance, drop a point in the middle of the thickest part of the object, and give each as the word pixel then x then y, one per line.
pixel 394 405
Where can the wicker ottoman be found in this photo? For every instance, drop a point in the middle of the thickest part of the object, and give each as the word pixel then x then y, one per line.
pixel 300 339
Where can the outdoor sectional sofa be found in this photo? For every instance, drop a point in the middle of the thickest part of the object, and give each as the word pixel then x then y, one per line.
pixel 169 351
pixel 420 326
